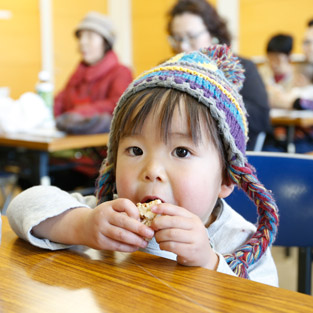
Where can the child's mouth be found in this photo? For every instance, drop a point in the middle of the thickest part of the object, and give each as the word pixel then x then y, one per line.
pixel 149 199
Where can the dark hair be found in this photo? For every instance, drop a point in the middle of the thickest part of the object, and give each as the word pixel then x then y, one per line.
pixel 215 25
pixel 310 22
pixel 131 117
pixel 280 43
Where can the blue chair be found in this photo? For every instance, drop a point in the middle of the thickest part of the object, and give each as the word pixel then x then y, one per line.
pixel 290 177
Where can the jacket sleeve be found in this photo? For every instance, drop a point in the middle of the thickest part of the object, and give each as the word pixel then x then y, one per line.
pixel 121 78
pixel 39 203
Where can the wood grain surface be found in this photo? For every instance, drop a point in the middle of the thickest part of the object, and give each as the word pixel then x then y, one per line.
pixel 85 280
pixel 52 144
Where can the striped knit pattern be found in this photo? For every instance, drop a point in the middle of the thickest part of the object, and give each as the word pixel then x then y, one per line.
pixel 214 77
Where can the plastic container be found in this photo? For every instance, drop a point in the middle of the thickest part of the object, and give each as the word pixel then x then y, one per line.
pixel 44 89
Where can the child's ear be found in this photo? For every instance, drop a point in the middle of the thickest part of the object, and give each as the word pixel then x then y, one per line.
pixel 226 189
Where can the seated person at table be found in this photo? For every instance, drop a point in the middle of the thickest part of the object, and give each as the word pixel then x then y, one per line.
pixel 178 134
pixel 286 82
pixel 307 45
pixel 99 79
pixel 304 99
pixel 301 96
pixel 86 103
pixel 286 85
pixel 278 73
pixel 195 24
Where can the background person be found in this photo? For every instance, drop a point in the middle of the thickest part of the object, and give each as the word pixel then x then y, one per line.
pixel 194 24
pixel 289 87
pixel 278 73
pixel 99 79
pixel 86 103
pixel 307 44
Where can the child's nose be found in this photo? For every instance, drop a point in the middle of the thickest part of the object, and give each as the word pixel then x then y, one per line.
pixel 154 171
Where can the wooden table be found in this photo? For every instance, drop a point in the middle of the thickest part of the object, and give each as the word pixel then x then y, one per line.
pixel 291 119
pixel 41 146
pixel 35 280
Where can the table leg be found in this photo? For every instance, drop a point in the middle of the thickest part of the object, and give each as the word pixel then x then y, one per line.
pixel 43 174
pixel 304 269
pixel 291 147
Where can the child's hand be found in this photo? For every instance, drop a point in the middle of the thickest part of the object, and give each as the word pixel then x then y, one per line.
pixel 183 233
pixel 115 225
pixel 112 225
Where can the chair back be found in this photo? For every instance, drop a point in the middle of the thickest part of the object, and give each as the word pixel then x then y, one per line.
pixel 290 177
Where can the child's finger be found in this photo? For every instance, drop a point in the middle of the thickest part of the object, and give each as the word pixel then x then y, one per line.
pixel 124 236
pixel 131 225
pixel 170 209
pixel 126 206
pixel 175 235
pixel 107 243
pixel 178 248
pixel 172 222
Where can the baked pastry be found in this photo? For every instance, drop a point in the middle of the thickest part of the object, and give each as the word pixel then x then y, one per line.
pixel 146 216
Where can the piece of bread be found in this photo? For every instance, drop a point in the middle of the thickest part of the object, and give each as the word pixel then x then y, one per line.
pixel 146 216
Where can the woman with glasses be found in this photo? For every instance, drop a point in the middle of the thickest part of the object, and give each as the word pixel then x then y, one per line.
pixel 194 24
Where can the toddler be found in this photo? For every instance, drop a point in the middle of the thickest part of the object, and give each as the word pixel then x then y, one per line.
pixel 179 135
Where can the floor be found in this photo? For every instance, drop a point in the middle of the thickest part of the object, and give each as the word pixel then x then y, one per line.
pixel 286 266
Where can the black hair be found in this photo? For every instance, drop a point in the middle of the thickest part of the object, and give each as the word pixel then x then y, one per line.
pixel 280 43
pixel 310 22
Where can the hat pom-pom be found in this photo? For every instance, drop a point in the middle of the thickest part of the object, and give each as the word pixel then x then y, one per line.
pixel 227 62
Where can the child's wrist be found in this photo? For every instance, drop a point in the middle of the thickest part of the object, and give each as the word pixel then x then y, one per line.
pixel 212 264
pixel 77 221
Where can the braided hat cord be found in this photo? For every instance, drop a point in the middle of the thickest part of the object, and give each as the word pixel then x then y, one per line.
pixel 266 231
pixel 105 183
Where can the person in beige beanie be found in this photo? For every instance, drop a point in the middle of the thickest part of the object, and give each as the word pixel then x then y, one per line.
pixel 86 103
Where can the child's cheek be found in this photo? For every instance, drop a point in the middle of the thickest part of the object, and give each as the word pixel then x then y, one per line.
pixel 121 187
pixel 124 186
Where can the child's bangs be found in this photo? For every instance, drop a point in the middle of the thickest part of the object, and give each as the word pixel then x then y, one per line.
pixel 162 102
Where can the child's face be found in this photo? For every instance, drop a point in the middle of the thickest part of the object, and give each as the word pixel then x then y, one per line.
pixel 91 46
pixel 177 171
pixel 279 63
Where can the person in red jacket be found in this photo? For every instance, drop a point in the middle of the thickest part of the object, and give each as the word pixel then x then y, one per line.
pixel 99 79
pixel 86 103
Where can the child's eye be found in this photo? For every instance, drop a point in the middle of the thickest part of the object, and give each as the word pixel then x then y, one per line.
pixel 181 152
pixel 134 151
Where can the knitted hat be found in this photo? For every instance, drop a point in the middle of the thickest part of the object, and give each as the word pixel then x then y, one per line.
pixel 213 76
pixel 99 23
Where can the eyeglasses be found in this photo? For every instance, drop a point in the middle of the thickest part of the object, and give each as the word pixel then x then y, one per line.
pixel 190 39
pixel 307 42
